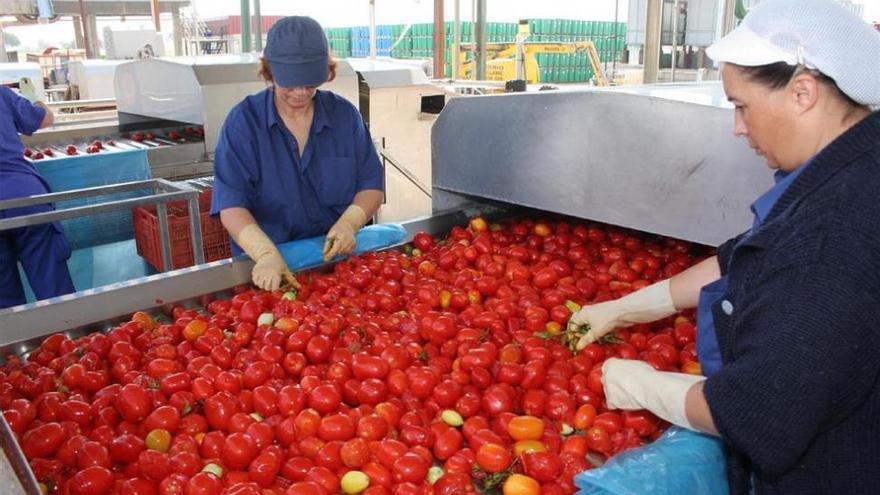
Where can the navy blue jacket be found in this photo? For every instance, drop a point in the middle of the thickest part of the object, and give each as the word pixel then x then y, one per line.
pixel 797 401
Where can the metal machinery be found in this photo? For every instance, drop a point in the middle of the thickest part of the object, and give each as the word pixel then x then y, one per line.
pixel 400 104
pixel 662 159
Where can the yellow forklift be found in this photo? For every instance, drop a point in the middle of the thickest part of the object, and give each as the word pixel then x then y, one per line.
pixel 520 59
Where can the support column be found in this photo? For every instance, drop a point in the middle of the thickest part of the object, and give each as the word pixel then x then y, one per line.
pixel 652 41
pixel 456 41
pixel 78 32
pixel 177 26
pixel 92 38
pixel 480 38
pixel 156 13
pixel 245 26
pixel 86 33
pixel 439 41
pixel 728 17
pixel 258 27
pixel 3 56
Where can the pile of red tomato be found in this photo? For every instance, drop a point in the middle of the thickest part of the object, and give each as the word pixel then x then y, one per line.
pixel 434 370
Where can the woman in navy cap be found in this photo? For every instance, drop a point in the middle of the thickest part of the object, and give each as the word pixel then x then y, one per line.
pixel 42 249
pixel 294 161
pixel 789 311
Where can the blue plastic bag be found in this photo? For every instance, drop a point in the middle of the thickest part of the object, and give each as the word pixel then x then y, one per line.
pixel 679 462
pixel 308 252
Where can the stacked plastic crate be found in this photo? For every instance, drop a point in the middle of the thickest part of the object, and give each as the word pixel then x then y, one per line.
pixel 417 41
pixel 608 37
pixel 340 41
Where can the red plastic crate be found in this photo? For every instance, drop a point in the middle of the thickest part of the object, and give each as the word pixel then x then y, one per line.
pixel 215 239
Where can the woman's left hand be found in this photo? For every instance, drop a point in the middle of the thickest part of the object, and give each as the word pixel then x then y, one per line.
pixel 340 237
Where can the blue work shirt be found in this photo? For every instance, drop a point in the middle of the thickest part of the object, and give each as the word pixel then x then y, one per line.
pixel 707 343
pixel 257 166
pixel 19 116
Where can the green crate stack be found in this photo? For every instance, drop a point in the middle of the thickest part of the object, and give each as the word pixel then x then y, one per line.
pixel 401 47
pixel 564 67
pixel 339 40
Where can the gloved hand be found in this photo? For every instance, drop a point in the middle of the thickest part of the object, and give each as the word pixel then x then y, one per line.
pixel 270 267
pixel 340 237
pixel 631 384
pixel 28 89
pixel 642 306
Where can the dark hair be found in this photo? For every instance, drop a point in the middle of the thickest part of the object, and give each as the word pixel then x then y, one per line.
pixel 776 76
pixel 265 72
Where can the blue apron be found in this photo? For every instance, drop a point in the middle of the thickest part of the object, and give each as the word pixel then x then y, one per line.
pixel 707 342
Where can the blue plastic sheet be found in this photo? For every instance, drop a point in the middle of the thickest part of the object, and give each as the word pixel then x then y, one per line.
pixel 309 252
pixel 100 169
pixel 679 462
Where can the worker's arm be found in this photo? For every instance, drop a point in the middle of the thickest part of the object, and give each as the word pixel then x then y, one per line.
pixel 49 118
pixel 369 200
pixel 697 410
pixel 235 219
pixel 685 287
pixel 649 304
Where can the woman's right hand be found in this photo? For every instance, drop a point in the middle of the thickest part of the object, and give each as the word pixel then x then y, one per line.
pixel 652 303
pixel 270 270
pixel 601 318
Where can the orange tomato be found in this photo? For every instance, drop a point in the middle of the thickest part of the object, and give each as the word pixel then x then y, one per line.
pixel 520 484
pixel 542 229
pixel 445 298
pixel 525 428
pixel 158 439
pixel 584 416
pixel 194 329
pixel 692 368
pixel 427 269
pixel 145 320
pixel 553 328
pixel 524 446
pixel 478 224
pixel 493 458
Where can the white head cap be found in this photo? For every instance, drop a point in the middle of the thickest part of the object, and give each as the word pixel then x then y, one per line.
pixel 819 34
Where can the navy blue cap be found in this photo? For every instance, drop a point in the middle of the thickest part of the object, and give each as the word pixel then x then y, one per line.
pixel 297 51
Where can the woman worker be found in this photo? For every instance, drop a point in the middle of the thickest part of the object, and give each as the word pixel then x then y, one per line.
pixel 42 249
pixel 788 313
pixel 294 161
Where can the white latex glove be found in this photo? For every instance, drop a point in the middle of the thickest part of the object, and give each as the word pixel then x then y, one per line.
pixel 642 306
pixel 28 89
pixel 340 237
pixel 631 384
pixel 270 268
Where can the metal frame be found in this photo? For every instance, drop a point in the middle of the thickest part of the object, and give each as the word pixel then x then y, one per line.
pixel 162 192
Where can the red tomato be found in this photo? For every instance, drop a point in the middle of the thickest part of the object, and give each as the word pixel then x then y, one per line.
pixel 93 480
pixel 410 468
pixel 543 466
pixel 133 403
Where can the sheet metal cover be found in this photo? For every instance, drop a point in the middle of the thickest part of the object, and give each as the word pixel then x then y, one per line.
pixel 645 162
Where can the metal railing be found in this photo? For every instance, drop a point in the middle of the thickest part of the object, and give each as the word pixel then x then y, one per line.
pixel 162 191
